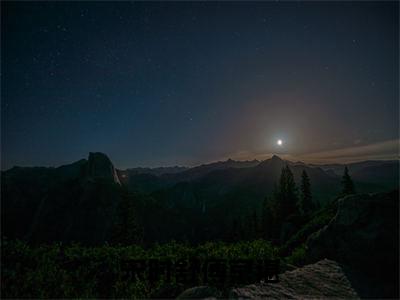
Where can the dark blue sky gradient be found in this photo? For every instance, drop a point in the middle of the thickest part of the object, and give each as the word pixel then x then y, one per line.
pixel 185 83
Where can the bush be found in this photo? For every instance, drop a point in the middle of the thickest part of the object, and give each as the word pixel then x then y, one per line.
pixel 297 257
pixel 74 271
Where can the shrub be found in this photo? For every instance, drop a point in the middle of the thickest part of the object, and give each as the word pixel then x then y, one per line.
pixel 74 271
pixel 297 256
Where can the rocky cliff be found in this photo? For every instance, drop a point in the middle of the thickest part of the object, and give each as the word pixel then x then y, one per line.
pixel 99 166
pixel 363 236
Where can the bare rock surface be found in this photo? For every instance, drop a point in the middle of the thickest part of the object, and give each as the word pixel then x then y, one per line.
pixel 200 292
pixel 324 279
pixel 363 237
pixel 364 224
pixel 100 166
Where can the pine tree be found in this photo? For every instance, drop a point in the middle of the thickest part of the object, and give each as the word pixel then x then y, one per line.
pixel 347 183
pixel 255 225
pixel 282 205
pixel 269 218
pixel 248 228
pixel 237 231
pixel 306 204
pixel 287 197
pixel 126 229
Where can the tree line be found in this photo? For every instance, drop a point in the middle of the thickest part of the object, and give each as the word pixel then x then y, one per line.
pixel 285 210
pixel 282 213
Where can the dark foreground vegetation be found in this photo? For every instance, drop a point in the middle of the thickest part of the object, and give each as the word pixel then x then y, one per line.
pixel 58 271
pixel 68 271
pixel 74 231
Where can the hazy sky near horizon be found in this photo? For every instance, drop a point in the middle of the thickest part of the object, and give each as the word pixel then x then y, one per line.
pixel 181 83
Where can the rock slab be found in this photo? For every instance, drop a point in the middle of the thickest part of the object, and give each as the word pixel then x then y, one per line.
pixel 324 279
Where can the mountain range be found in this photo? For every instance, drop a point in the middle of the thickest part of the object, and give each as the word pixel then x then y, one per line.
pixel 80 201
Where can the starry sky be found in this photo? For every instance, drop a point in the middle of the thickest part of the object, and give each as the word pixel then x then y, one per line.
pixel 183 83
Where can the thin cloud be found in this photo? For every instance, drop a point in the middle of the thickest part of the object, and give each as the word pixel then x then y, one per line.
pixel 378 151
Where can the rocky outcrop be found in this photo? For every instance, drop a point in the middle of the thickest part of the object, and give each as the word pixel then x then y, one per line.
pixel 99 166
pixel 363 236
pixel 355 255
pixel 325 279
pixel 200 292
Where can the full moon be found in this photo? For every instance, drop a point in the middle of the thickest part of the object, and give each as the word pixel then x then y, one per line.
pixel 279 142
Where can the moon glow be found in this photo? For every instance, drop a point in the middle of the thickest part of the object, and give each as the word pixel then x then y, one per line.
pixel 279 142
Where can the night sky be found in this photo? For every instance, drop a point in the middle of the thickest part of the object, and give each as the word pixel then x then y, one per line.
pixel 185 83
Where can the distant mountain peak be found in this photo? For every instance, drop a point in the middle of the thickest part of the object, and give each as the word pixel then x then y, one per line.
pixel 276 157
pixel 275 161
pixel 97 155
pixel 100 166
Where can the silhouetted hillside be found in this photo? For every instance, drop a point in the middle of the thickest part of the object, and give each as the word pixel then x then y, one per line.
pixel 80 201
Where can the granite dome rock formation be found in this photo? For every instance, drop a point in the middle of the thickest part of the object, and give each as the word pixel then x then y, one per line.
pixel 99 166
